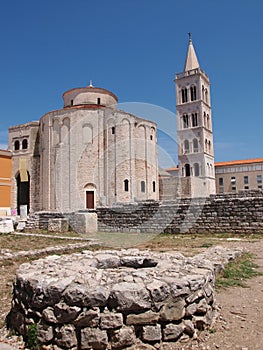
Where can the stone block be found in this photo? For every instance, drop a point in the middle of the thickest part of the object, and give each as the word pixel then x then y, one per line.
pixel 173 311
pixel 93 338
pixel 58 225
pixel 152 333
pixel 148 317
pixel 111 320
pixel 66 337
pixel 6 225
pixel 172 332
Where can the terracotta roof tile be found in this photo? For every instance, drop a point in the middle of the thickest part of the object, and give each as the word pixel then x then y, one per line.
pixel 239 162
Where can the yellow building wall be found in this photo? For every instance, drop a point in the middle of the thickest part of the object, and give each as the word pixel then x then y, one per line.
pixel 5 181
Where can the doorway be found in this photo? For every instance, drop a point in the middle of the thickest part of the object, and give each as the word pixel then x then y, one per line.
pixel 90 202
pixel 23 193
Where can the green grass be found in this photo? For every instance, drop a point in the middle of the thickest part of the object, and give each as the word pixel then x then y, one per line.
pixel 237 272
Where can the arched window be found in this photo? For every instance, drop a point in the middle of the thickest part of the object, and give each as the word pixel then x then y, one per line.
pixel 193 93
pixel 24 144
pixel 142 186
pixel 206 96
pixel 126 185
pixel 185 121
pixel 207 121
pixel 195 144
pixel 196 169
pixel 209 146
pixel 186 146
pixel 154 186
pixel 204 119
pixel 16 145
pixel 205 145
pixel 208 169
pixel 184 95
pixel 203 93
pixel 187 170
pixel 87 134
pixel 194 120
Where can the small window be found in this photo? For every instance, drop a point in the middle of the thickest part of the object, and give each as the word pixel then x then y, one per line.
pixel 246 187
pixel 259 179
pixel 221 181
pixel 16 145
pixel 259 186
pixel 234 188
pixel 184 95
pixel 185 121
pixel 196 169
pixel 113 130
pixel 187 170
pixel 186 147
pixel 24 144
pixel 154 186
pixel 98 100
pixel 221 189
pixel 71 102
pixel 194 120
pixel 193 93
pixel 126 185
pixel 195 144
pixel 233 180
pixel 151 137
pixel 245 180
pixel 142 186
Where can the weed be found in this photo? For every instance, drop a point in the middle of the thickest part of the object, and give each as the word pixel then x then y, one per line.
pixel 237 272
pixel 32 341
pixel 211 330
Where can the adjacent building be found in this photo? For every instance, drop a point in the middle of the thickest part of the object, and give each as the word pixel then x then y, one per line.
pixel 237 175
pixel 5 182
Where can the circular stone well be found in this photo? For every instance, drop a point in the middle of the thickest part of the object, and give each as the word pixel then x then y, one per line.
pixel 116 299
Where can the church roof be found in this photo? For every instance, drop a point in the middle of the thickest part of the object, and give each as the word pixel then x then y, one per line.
pixel 191 61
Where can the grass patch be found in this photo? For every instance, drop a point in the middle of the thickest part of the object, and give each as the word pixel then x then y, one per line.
pixel 237 272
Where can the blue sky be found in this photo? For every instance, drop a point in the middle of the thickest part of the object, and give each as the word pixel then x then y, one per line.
pixel 134 48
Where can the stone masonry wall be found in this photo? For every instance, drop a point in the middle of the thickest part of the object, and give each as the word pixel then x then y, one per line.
pixel 127 299
pixel 232 213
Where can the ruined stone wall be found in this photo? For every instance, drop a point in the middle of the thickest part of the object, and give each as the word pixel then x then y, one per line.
pixel 117 299
pixel 231 213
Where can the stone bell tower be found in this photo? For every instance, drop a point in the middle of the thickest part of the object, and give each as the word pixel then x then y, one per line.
pixel 194 129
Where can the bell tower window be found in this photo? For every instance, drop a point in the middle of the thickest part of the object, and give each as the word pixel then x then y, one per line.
pixel 185 121
pixel 193 93
pixel 194 120
pixel 184 95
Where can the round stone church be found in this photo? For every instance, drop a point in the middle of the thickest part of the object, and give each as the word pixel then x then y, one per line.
pixel 84 155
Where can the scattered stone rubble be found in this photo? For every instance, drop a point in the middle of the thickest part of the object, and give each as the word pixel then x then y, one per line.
pixel 127 299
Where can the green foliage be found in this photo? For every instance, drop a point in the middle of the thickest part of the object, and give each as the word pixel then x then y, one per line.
pixel 237 272
pixel 32 341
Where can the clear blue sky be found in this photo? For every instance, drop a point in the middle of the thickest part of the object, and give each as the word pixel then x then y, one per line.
pixel 134 48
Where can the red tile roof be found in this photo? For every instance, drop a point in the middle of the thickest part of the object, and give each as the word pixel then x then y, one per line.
pixel 239 162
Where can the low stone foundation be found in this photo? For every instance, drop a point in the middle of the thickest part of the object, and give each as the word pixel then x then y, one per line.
pixel 127 299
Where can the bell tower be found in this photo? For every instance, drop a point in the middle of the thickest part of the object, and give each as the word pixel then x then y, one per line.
pixel 194 129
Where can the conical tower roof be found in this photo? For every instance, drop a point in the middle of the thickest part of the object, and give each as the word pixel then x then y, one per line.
pixel 191 61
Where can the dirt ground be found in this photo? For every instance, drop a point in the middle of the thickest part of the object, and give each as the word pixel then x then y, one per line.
pixel 239 325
